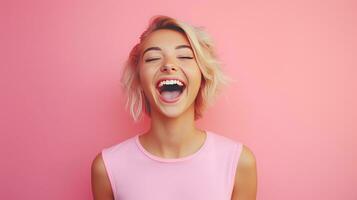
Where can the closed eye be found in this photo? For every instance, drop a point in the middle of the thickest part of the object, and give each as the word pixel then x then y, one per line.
pixel 186 57
pixel 151 59
pixel 183 57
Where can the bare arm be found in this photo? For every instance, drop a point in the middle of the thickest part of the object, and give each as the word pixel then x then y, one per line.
pixel 101 187
pixel 245 186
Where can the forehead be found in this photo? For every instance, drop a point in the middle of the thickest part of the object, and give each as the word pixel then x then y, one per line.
pixel 165 37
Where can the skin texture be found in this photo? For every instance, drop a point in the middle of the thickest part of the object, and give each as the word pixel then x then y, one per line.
pixel 245 186
pixel 173 133
pixel 101 188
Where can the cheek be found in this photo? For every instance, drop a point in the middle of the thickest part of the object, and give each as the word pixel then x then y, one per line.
pixel 195 73
pixel 144 76
pixel 195 78
pixel 146 80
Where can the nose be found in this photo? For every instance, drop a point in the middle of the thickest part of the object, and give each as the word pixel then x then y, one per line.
pixel 168 68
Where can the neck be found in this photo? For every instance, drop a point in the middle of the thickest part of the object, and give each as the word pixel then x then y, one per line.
pixel 172 137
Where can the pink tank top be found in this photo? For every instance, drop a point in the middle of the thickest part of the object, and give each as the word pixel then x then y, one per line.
pixel 208 174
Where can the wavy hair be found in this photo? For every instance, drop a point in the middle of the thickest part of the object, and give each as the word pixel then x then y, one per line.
pixel 202 44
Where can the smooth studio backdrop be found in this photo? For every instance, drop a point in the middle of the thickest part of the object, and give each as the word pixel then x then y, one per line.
pixel 293 102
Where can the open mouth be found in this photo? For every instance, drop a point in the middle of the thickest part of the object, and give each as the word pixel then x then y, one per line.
pixel 170 91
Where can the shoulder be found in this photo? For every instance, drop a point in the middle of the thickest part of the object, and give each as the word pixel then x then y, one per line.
pixel 101 187
pixel 246 175
pixel 222 140
pixel 98 164
pixel 118 147
pixel 98 169
pixel 247 159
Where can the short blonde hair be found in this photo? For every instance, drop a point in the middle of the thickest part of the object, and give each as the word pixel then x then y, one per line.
pixel 212 76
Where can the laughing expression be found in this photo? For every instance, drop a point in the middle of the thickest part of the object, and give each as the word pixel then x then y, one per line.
pixel 168 72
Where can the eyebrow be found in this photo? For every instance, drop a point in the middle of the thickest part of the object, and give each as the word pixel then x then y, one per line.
pixel 159 49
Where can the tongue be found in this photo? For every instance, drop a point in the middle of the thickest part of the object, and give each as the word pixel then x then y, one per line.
pixel 170 95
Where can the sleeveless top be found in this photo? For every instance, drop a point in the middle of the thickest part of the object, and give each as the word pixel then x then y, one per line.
pixel 207 174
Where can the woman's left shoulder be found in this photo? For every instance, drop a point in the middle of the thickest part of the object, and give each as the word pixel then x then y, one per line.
pixel 245 176
pixel 247 158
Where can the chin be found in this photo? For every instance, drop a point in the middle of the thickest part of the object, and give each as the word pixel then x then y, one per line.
pixel 176 111
pixel 173 112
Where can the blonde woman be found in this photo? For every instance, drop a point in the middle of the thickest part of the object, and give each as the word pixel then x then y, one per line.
pixel 172 74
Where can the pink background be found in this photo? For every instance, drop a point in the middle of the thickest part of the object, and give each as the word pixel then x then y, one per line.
pixel 293 102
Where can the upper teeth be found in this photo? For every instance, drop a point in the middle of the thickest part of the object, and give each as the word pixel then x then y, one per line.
pixel 170 82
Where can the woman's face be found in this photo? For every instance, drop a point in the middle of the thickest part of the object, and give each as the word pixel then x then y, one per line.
pixel 167 55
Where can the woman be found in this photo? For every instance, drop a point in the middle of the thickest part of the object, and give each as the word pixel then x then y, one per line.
pixel 174 74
